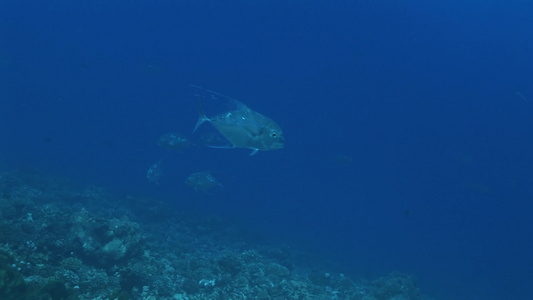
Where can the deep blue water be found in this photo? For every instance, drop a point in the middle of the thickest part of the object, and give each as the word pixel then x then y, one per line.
pixel 433 102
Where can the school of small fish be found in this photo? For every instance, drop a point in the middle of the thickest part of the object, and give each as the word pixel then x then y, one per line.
pixel 239 127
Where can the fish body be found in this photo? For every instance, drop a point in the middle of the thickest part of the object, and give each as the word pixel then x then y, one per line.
pixel 202 181
pixel 155 172
pixel 173 141
pixel 245 128
pixel 213 139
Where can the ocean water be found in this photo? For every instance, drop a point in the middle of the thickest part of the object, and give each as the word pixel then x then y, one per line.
pixel 408 124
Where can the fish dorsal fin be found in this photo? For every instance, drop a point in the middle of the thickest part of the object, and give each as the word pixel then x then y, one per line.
pixel 239 105
pixel 201 92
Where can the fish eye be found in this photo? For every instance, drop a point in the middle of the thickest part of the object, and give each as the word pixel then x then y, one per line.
pixel 273 134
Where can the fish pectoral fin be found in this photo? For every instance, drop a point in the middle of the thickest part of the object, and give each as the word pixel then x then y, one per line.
pixel 254 151
pixel 222 147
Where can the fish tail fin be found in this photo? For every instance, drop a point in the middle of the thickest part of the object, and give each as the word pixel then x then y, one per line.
pixel 201 119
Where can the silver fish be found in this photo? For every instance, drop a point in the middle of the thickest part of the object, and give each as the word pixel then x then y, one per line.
pixel 202 181
pixel 244 127
pixel 155 172
pixel 212 139
pixel 173 141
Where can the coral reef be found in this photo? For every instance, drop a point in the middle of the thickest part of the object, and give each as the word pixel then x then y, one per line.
pixel 14 287
pixel 61 241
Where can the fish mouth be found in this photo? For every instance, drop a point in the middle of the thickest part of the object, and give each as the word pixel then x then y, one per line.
pixel 279 145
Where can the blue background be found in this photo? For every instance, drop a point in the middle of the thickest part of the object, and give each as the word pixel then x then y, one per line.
pixel 433 101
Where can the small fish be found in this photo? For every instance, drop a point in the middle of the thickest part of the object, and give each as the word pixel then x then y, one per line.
pixel 521 96
pixel 202 181
pixel 155 171
pixel 173 141
pixel 342 160
pixel 244 127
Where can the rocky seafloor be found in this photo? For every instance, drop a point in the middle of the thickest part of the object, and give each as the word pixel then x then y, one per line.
pixel 59 240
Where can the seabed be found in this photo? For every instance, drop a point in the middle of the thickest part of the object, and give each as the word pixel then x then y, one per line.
pixel 59 240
